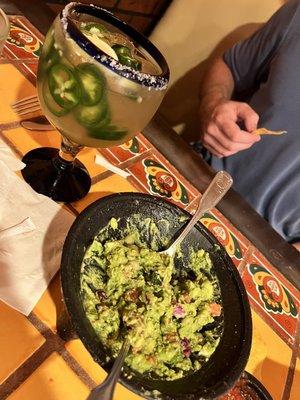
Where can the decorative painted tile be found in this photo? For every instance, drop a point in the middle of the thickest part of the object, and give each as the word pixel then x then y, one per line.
pixel 105 187
pixel 221 229
pixel 54 379
pixel 127 151
pixel 23 41
pixel 155 175
pixel 241 238
pixel 216 215
pixel 234 248
pixel 18 340
pixel 269 358
pixel 272 297
pixel 26 24
pixel 83 357
pixel 14 87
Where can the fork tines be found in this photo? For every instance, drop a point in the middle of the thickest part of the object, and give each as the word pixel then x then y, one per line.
pixel 26 105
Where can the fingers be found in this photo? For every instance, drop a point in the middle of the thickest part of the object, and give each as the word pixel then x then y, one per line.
pixel 221 147
pixel 248 115
pixel 233 134
pixel 222 136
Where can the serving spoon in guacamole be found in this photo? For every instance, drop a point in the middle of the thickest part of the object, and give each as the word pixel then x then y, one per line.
pixel 105 390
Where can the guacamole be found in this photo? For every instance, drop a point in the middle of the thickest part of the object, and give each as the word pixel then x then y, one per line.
pixel 171 316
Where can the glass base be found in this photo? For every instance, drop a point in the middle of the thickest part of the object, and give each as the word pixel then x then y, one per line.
pixel 48 174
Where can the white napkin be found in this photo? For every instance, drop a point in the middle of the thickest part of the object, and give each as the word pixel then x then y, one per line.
pixel 32 232
pixel 100 160
pixel 8 157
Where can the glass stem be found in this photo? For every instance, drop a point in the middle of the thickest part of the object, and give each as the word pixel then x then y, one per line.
pixel 67 154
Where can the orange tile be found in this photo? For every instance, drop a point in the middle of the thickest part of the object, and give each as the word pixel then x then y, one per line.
pixel 25 140
pixel 87 157
pixel 53 380
pixel 18 340
pixel 294 395
pixel 79 352
pixel 270 357
pixel 113 184
pixel 14 87
pixel 50 304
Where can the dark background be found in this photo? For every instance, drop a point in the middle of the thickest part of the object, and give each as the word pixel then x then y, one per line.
pixel 141 14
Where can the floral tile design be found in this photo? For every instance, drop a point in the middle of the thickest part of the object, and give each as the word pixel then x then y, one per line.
pixel 241 238
pixel 156 176
pixel 233 246
pixel 23 42
pixel 127 151
pixel 219 227
pixel 272 297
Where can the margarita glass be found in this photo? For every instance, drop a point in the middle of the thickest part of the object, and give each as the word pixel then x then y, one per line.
pixel 4 29
pixel 99 83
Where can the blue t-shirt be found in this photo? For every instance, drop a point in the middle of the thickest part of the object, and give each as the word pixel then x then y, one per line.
pixel 266 72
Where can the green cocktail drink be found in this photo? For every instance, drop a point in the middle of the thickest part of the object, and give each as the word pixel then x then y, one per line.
pixel 99 83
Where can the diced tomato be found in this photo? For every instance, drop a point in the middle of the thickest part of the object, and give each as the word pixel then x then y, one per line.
pixel 215 309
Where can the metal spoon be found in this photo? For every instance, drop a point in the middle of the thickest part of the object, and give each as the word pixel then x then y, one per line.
pixel 213 194
pixel 105 390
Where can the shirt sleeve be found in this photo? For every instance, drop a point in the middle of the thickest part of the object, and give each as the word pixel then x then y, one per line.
pixel 249 60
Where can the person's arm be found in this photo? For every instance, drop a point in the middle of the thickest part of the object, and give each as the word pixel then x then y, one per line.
pixel 242 69
pixel 219 116
pixel 297 245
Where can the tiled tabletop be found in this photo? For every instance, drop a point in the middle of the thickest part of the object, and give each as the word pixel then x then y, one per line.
pixel 35 362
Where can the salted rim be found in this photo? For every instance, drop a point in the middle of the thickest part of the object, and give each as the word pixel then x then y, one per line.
pixel 4 32
pixel 158 82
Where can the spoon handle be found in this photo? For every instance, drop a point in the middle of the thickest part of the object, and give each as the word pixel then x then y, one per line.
pixel 212 195
pixel 105 390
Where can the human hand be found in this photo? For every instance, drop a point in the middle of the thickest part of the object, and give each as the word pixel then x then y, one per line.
pixel 221 134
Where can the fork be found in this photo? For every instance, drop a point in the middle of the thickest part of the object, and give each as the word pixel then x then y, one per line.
pixel 26 105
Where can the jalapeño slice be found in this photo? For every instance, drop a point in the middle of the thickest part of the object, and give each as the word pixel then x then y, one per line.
pixel 130 62
pixel 125 58
pixel 51 104
pixel 93 28
pixel 121 50
pixel 63 86
pixel 108 132
pixel 92 83
pixel 97 115
pixel 48 42
pixel 50 53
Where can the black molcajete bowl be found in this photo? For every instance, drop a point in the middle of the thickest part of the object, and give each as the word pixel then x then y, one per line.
pixel 255 385
pixel 227 363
